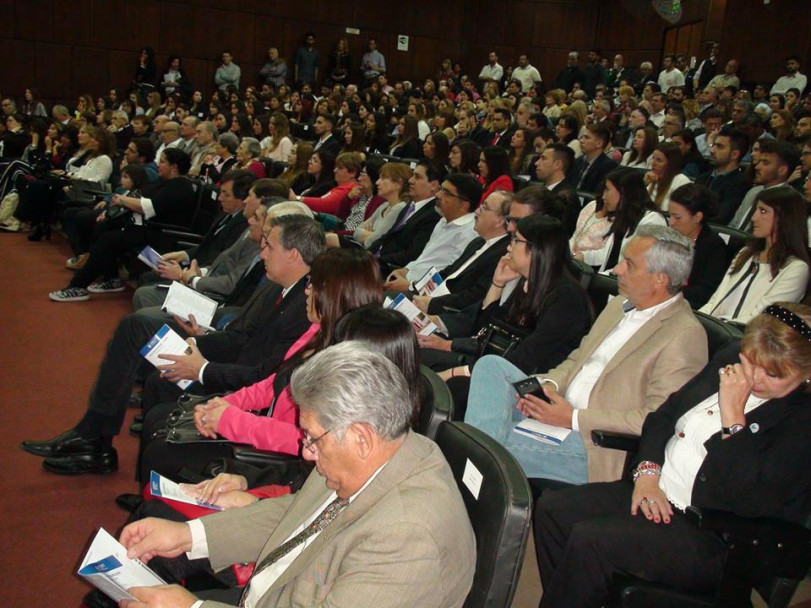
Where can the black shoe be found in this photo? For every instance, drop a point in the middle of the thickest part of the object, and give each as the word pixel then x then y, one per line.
pixel 70 440
pixel 138 418
pixel 129 502
pixel 99 462
pixel 97 599
pixel 40 230
pixel 137 428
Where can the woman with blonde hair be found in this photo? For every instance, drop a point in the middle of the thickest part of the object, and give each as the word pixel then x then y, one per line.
pixel 278 144
pixel 665 174
pixel 295 176
pixel 392 186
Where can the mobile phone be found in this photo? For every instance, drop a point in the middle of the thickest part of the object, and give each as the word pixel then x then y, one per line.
pixel 530 386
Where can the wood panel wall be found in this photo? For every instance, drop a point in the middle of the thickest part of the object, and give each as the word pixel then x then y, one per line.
pixel 68 48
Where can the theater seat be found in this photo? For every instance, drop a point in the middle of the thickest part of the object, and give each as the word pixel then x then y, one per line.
pixel 601 289
pixel 735 239
pixel 436 406
pixel 499 509
pixel 719 333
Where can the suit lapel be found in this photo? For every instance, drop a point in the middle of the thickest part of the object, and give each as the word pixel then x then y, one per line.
pixel 605 323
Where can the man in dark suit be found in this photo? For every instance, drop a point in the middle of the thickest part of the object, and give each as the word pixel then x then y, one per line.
pixel 468 278
pixel 590 169
pixel 326 141
pixel 727 180
pixel 469 128
pixel 412 230
pixel 502 130
pixel 248 350
pixel 552 167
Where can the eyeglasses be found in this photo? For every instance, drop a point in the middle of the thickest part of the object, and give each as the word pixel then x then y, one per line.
pixel 514 239
pixel 447 192
pixel 484 208
pixel 264 242
pixel 511 219
pixel 309 444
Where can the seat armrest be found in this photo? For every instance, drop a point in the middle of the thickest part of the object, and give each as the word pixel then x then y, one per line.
pixel 612 440
pixel 261 458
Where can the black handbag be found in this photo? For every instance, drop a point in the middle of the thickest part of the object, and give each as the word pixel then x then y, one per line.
pixel 500 338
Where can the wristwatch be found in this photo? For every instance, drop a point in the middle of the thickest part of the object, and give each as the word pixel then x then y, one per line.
pixel 731 430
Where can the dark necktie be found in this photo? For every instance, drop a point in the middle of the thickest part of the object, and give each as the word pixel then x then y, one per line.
pixel 324 518
pixel 408 213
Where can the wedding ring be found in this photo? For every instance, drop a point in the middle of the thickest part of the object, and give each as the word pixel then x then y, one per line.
pixel 722 371
pixel 203 419
pixel 644 500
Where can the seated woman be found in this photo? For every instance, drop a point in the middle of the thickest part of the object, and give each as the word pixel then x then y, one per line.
pixel 627 206
pixel 692 162
pixel 278 145
pixel 665 174
pixel 464 156
pixel 392 187
pixel 336 201
pixel 217 166
pixel 521 152
pixel 749 456
pixel 364 197
pixel 591 229
pixel 171 200
pixel 296 176
pixel 567 130
pixel 773 266
pixel 644 140
pixel 248 151
pixel 494 172
pixel 689 207
pixel 340 280
pixel 407 143
pixel 320 174
pixel 547 304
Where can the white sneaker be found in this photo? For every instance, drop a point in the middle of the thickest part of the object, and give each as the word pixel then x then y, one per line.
pixel 71 294
pixel 110 286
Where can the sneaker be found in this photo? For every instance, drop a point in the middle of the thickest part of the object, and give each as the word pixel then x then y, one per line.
pixel 109 286
pixel 71 294
pixel 10 225
pixel 77 262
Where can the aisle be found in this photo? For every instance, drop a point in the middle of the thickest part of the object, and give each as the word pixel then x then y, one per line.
pixel 49 353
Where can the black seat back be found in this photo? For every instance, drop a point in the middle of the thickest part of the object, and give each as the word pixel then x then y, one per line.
pixel 719 333
pixel 499 510
pixel 436 405
pixel 601 289
pixel 735 239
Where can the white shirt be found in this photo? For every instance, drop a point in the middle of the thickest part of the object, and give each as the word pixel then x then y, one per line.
pixel 447 242
pixel 685 451
pixel 443 290
pixel 265 579
pixel 579 389
pixel 419 205
pixel 494 72
pixel 528 77
pixel 789 81
pixel 673 78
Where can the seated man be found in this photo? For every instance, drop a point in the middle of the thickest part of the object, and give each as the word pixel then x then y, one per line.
pixel 374 524
pixel 459 194
pixel 171 200
pixel 467 279
pixel 642 347
pixel 748 456
pixel 248 350
pixel 415 223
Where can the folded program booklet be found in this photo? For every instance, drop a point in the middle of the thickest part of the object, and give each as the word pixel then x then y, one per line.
pixel 107 567
pixel 166 488
pixel 166 342
pixel 542 432
pixel 184 301
pixel 150 257
pixel 419 320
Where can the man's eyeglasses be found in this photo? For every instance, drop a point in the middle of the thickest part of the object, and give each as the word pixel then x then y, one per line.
pixel 447 192
pixel 309 444
pixel 484 208
pixel 264 242
pixel 511 219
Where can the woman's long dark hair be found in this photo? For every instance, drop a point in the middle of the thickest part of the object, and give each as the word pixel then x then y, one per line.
pixel 672 153
pixel 791 235
pixel 390 333
pixel 498 163
pixel 634 201
pixel 470 156
pixel 326 175
pixel 548 244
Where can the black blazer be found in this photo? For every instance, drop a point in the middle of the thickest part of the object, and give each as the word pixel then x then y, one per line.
pixel 758 472
pixel 246 285
pixel 480 136
pixel 730 188
pixel 398 247
pixel 410 149
pixel 472 284
pixel 254 344
pixel 601 167
pixel 331 145
pixel 218 238
pixel 709 265
pixel 504 140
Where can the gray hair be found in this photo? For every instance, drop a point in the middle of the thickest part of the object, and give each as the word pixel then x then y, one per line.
pixel 603 103
pixel 301 233
pixel 646 65
pixel 252 146
pixel 505 200
pixel 229 141
pixel 212 130
pixel 671 254
pixel 171 125
pixel 347 384
pixel 121 114
pixel 281 208
pixel 60 109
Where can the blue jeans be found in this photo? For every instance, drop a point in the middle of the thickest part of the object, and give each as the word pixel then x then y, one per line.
pixel 491 408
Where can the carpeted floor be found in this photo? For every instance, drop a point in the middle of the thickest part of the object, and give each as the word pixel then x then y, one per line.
pixel 49 354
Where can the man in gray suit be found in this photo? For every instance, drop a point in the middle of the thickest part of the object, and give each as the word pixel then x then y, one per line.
pixel 380 522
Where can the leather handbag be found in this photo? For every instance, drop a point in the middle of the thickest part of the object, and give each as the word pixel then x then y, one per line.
pixel 500 338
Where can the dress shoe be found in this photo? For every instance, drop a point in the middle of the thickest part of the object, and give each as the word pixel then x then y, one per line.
pixel 138 418
pixel 129 502
pixel 98 462
pixel 70 440
pixel 137 428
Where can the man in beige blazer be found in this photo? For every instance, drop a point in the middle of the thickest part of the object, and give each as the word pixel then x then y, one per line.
pixel 404 539
pixel 643 347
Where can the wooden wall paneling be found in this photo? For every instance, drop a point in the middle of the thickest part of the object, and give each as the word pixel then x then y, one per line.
pixel 143 19
pixel 52 70
pixel 106 19
pixel 491 23
pixel 215 30
pixel 33 20
pixel 7 25
pixel 268 32
pixel 622 29
pixel 570 26
pixel 715 20
pixel 121 69
pixel 520 23
pixel 72 22
pixel 554 62
pixel 424 59
pixel 200 73
pixel 89 70
pixel 17 74
pixel 176 31
pixel 671 40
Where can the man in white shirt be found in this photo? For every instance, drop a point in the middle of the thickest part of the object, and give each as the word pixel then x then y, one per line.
pixel 526 74
pixel 728 79
pixel 458 194
pixel 381 512
pixel 492 71
pixel 793 79
pixel 657 109
pixel 642 347
pixel 670 76
pixel 170 136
